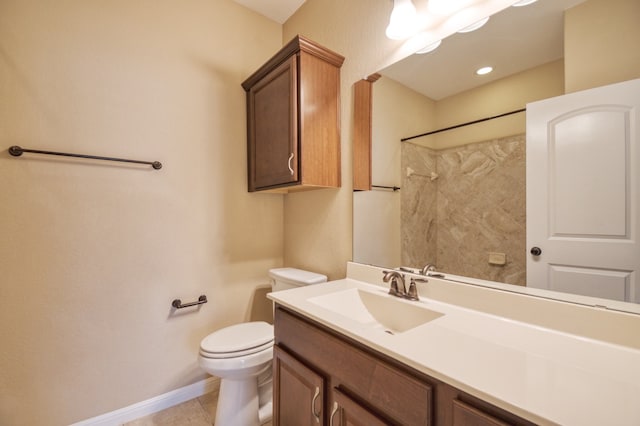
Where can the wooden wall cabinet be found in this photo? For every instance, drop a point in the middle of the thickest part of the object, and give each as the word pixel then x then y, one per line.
pixel 362 132
pixel 324 378
pixel 293 119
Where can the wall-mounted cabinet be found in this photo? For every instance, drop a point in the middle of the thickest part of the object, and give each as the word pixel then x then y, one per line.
pixel 362 134
pixel 293 119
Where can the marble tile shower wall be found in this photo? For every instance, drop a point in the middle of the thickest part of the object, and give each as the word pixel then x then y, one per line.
pixel 474 207
pixel 418 206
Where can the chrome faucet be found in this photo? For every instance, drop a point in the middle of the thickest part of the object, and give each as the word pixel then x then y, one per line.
pixel 428 268
pixel 394 277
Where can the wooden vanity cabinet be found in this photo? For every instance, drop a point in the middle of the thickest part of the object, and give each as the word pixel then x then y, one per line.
pixel 293 119
pixel 298 397
pixel 324 378
pixel 347 412
pixel 468 415
pixel 367 390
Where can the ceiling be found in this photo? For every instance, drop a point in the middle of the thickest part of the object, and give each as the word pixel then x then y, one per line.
pixel 276 10
pixel 513 40
pixel 516 39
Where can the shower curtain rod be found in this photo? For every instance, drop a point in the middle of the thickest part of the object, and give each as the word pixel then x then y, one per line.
pixel 464 124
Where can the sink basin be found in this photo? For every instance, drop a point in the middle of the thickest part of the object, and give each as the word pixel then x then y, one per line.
pixel 380 311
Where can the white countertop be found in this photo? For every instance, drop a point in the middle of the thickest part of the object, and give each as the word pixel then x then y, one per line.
pixel 543 375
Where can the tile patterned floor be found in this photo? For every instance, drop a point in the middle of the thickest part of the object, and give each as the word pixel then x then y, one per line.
pixel 196 412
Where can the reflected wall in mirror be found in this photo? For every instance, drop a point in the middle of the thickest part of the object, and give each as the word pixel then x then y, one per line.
pixel 462 200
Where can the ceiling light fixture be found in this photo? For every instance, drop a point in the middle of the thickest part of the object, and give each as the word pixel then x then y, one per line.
pixel 447 7
pixel 475 26
pixel 429 48
pixel 523 3
pixel 484 70
pixel 403 22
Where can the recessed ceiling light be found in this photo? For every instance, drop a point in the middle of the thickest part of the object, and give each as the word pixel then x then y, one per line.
pixel 523 3
pixel 484 70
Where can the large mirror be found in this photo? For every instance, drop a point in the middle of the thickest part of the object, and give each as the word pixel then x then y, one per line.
pixel 454 142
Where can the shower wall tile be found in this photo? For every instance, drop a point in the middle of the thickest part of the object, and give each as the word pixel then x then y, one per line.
pixel 478 207
pixel 418 212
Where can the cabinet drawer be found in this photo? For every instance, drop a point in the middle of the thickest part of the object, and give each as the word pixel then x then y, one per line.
pixel 347 412
pixel 466 415
pixel 379 386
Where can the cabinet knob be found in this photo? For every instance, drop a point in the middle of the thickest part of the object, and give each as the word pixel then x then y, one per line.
pixel 536 251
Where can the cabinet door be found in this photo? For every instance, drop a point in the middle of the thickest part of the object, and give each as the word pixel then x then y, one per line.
pixel 466 415
pixel 298 392
pixel 347 412
pixel 273 128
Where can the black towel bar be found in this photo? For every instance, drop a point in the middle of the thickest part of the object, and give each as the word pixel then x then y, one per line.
pixel 17 151
pixel 394 188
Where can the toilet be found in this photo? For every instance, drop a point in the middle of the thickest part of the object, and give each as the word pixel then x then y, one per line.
pixel 241 355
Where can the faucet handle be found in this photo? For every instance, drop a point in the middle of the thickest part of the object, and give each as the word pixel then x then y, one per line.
pixel 428 268
pixel 412 294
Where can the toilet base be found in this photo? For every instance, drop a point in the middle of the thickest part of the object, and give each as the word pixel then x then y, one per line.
pixel 246 401
pixel 238 403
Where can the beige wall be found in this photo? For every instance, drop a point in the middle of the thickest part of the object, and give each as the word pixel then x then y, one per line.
pixel 92 254
pixel 601 43
pixel 318 224
pixel 507 94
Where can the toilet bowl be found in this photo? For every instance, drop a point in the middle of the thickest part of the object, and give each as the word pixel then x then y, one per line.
pixel 241 355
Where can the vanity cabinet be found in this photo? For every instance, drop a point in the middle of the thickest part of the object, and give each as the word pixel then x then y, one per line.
pixel 298 391
pixel 324 378
pixel 347 412
pixel 467 415
pixel 293 119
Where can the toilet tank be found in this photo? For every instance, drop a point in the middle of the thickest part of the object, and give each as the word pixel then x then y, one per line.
pixel 286 278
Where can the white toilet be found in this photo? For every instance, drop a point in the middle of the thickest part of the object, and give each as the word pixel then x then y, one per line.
pixel 241 355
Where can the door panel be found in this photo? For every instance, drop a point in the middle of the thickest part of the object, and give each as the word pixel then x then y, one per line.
pixel 347 412
pixel 583 179
pixel 588 173
pixel 298 392
pixel 273 128
pixel 593 282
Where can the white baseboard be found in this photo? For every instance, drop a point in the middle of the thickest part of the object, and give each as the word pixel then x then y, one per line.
pixel 153 405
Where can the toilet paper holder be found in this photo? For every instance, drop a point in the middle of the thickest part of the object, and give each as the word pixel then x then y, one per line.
pixel 177 303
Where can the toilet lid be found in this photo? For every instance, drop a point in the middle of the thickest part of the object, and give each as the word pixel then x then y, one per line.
pixel 224 355
pixel 239 339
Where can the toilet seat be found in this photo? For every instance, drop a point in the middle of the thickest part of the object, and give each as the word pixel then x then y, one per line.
pixel 249 351
pixel 238 340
